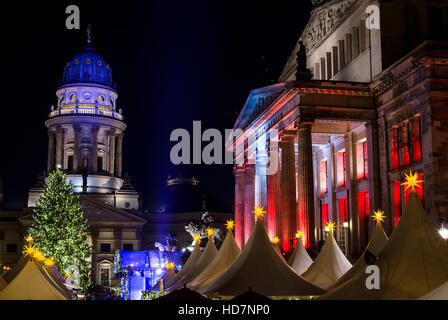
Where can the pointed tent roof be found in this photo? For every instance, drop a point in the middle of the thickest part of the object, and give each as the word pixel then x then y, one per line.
pixel 299 260
pixel 203 262
pixel 16 269
pixel 375 245
pixel 189 264
pixel 441 293
pixel 414 261
pixel 259 266
pixel 329 265
pixel 32 283
pixel 226 255
pixel 167 277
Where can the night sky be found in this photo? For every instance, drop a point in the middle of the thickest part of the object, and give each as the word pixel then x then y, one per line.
pixel 173 62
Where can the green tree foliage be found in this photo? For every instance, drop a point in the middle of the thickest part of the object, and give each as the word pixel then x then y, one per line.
pixel 60 230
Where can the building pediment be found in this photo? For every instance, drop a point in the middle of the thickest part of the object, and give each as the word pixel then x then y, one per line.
pixel 325 19
pixel 258 101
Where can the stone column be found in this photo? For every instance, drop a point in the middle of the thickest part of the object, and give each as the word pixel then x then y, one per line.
pixel 94 148
pixel 384 145
pixel 50 162
pixel 274 202
pixel 59 146
pixel 249 200
pixel 119 155
pixel 305 183
pixel 261 180
pixel 76 162
pixel 374 170
pixel 111 152
pixel 288 181
pixel 351 178
pixel 239 205
pixel 332 183
pixel 117 237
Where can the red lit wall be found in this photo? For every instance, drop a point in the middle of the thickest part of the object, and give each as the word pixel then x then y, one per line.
pixel 394 148
pixel 404 139
pixel 397 202
pixel 342 205
pixel 416 139
pixel 363 206
pixel 324 214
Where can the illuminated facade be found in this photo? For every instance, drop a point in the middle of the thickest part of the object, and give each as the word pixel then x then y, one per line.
pixel 374 108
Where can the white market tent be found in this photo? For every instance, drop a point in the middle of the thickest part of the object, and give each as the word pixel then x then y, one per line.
pixel 203 262
pixel 375 245
pixel 441 293
pixel 189 264
pixel 260 267
pixel 299 260
pixel 414 261
pixel 167 277
pixel 329 266
pixel 228 252
pixel 33 283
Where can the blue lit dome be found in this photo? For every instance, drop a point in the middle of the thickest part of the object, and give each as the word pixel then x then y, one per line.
pixel 87 67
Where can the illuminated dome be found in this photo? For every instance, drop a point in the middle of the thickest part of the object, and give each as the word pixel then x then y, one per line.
pixel 87 67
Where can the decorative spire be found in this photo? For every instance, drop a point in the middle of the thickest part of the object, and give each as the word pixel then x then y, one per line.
pixel 89 33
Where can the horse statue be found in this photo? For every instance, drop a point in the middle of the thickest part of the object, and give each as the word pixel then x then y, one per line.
pixel 199 227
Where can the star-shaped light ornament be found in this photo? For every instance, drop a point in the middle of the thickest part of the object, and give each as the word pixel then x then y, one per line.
pixel 38 255
pixel 210 232
pixel 170 266
pixel 378 215
pixel 330 226
pixel 197 238
pixel 299 234
pixel 29 250
pixel 29 238
pixel 275 240
pixel 411 181
pixel 259 212
pixel 230 224
pixel 49 262
pixel 67 274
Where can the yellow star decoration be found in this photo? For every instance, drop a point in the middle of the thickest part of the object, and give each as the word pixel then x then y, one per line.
pixel 197 238
pixel 29 250
pixel 259 212
pixel 299 234
pixel 210 232
pixel 276 240
pixel 29 238
pixel 38 255
pixel 230 224
pixel 170 266
pixel 411 181
pixel 378 215
pixel 67 274
pixel 49 262
pixel 331 226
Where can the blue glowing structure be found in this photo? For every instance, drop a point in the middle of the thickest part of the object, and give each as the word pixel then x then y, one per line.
pixel 141 270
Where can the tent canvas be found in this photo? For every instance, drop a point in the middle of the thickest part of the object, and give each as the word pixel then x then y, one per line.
pixel 329 266
pixel 375 245
pixel 189 264
pixel 3 283
pixel 228 252
pixel 414 261
pixel 441 293
pixel 299 260
pixel 31 283
pixel 204 260
pixel 260 267
pixel 167 277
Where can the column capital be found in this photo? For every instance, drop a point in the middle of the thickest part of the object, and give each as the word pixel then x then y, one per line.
pixel 239 169
pixel 287 134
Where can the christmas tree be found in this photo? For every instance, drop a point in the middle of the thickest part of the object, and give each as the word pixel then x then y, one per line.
pixel 60 230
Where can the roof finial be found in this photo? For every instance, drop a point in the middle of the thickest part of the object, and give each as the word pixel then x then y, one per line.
pixel 89 33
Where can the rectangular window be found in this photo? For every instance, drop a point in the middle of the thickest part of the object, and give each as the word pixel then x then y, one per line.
pixel 324 213
pixel 416 139
pixel 404 141
pixel 104 275
pixel 70 163
pixel 360 159
pixel 394 148
pixel 366 162
pixel 128 247
pixel 397 202
pixel 99 164
pixel 341 168
pixel 11 247
pixel 323 176
pixel 105 247
pixel 343 213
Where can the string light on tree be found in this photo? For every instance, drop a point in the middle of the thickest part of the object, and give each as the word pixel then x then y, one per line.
pixel 259 212
pixel 411 181
pixel 378 215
